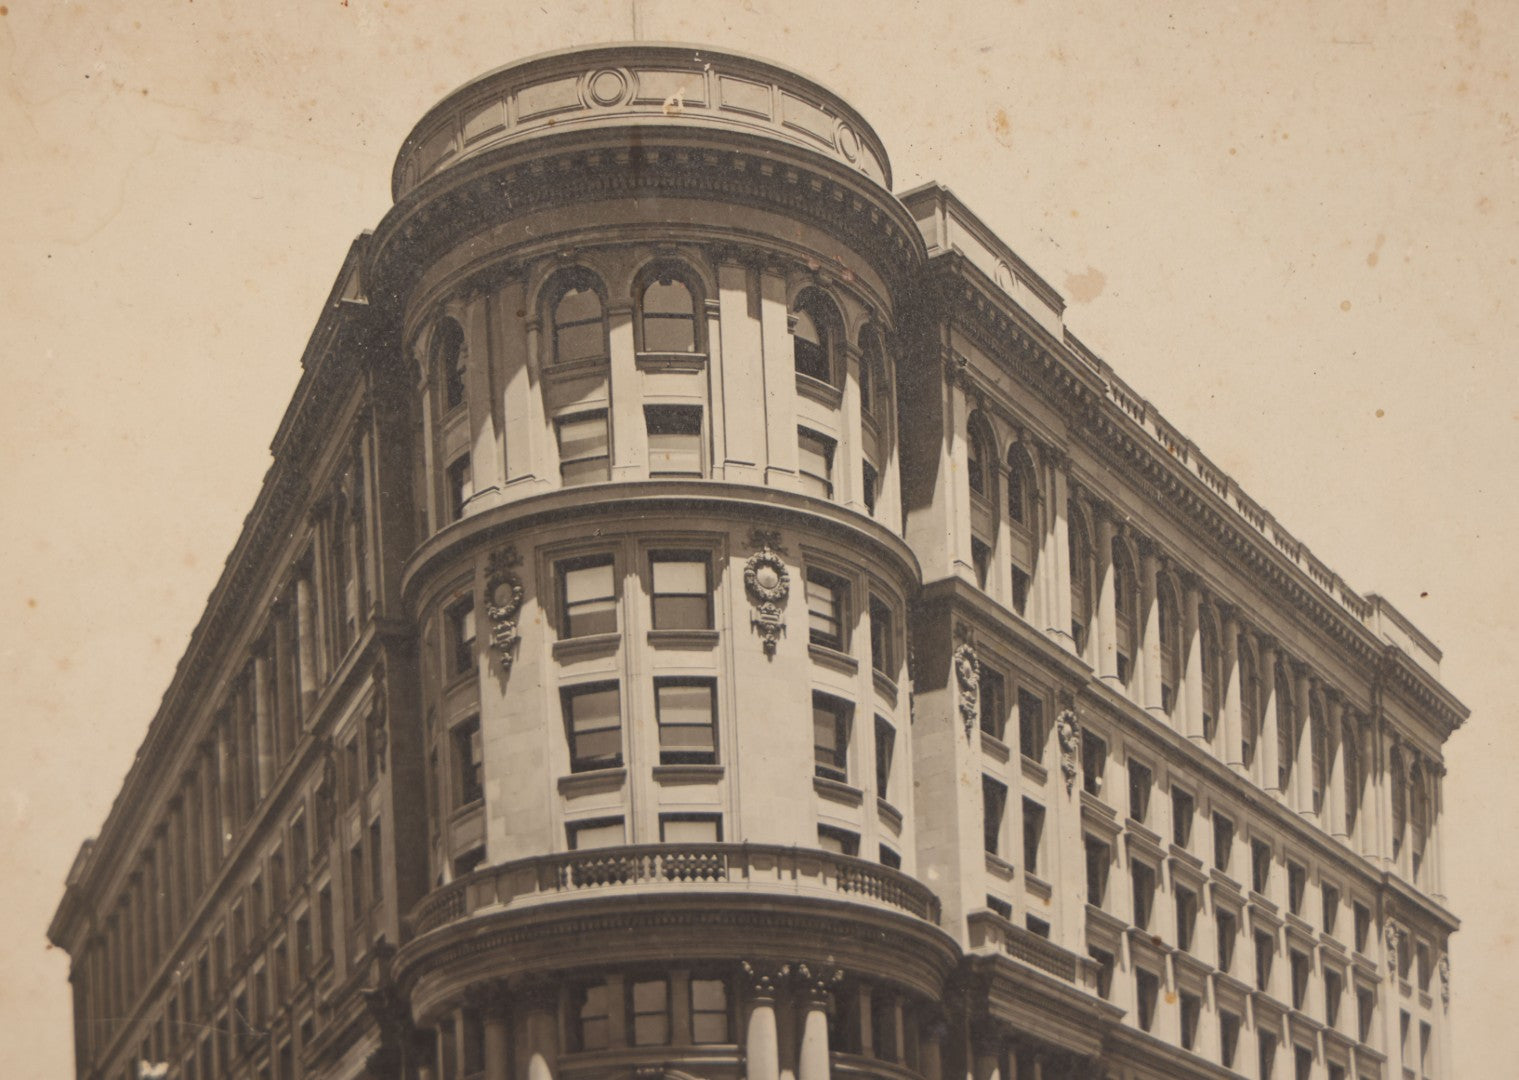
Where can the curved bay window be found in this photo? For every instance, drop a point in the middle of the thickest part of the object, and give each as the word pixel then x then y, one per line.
pixel 577 318
pixel 814 335
pixel 667 314
pixel 447 355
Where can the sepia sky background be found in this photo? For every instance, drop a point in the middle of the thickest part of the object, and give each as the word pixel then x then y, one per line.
pixel 1293 229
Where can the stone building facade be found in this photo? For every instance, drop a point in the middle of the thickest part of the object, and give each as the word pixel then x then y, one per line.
pixel 708 617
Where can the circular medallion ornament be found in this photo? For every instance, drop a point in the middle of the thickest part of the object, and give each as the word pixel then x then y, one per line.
pixel 768 585
pixel 848 142
pixel 607 87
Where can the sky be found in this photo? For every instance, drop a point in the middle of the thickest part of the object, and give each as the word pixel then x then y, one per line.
pixel 1291 226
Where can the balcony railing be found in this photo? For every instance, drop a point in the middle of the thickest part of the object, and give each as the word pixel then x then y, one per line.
pixel 656 867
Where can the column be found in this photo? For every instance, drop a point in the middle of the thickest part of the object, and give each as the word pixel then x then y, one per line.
pixel 780 381
pixel 987 1063
pixel 1434 856
pixel 306 652
pixel 1232 721
pixel 285 698
pixel 227 786
pixel 1058 567
pixel 320 520
pixel 432 468
pixel 1334 768
pixel 738 357
pixel 817 983
pixel 1192 661
pixel 520 384
pixel 849 457
pixel 485 465
pixel 931 1063
pixel 246 732
pixel 1268 749
pixel 761 1045
pixel 366 542
pixel 540 1043
pixel 1000 580
pixel 263 726
pixel 1106 623
pixel 1149 629
pixel 496 1057
pixel 1303 690
pixel 207 823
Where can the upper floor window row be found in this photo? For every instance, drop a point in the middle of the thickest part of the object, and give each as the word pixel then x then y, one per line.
pixel 667 313
pixel 679 587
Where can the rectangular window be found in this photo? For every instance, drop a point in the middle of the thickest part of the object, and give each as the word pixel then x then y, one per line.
pixel 376 864
pixel 890 858
pixel 303 946
pixel 1031 734
pixel 1147 991
pixel 324 915
pixel 600 833
pixel 827 610
pixel 1297 886
pixel 588 596
pixel 356 880
pixel 583 453
pixel 593 724
pixel 830 737
pixel 1105 963
pixel 1186 918
pixel 1302 1063
pixel 1331 897
pixel 993 703
pixel 1260 866
pixel 1094 763
pixel 1366 1007
pixel 1035 925
pixel 981 562
pixel 469 763
pixel 1423 966
pixel 886 738
pixel 681 590
pixel 1021 582
pixel 1139 791
pixel 690 828
pixel 1228 1038
pixel 870 480
pixel 883 1025
pixel 838 841
pixel 687 714
pixel 1182 809
pixel 993 807
pixel 1267 1048
pixel 1223 841
pixel 883 653
pixel 1426 1040
pixel 460 486
pixel 1033 833
pixel 1228 930
pixel 675 439
pixel 300 849
pixel 1334 987
pixel 1265 950
pixel 460 621
pixel 1191 1010
pixel 711 1022
pixel 1099 860
pixel 1143 880
pixel 590 1017
pixel 1299 967
pixel 815 463
pixel 1362 927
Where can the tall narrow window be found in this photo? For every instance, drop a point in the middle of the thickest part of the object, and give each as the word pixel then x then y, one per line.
pixel 1228 929
pixel 579 326
pixel 1140 782
pixel 976 456
pixel 1318 736
pixel 870 481
pixel 815 463
pixel 587 598
pixel 460 486
pixel 1033 835
pixel 883 653
pixel 1031 730
pixel 583 451
pixel 981 562
pixel 1223 841
pixel 460 620
pixel 1207 647
pixel 1142 878
pixel 1170 647
pixel 1081 572
pixel 590 1013
pixel 687 714
pixel 1125 601
pixel 1099 858
pixel 1147 988
pixel 668 313
pixel 1287 720
pixel 993 810
pixel 1250 705
pixel 830 737
pixel 1350 749
pixel 1228 1038
pixel 1094 763
pixel 681 595
pixel 1265 950
pixel 811 336
pixel 469 763
pixel 1260 866
pixel 448 362
pixel 1019 486
pixel 1418 805
pixel 993 703
pixel 710 1016
pixel 593 722
pixel 1183 807
pixel 1191 1009
pixel 886 738
pixel 827 609
pixel 675 440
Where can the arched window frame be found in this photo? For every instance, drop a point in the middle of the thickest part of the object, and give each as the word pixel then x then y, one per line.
pixel 665 272
pixel 1399 793
pixel 1251 695
pixel 574 279
pixel 1288 716
pixel 1078 539
pixel 449 361
pixel 1350 748
pixel 1168 623
pixel 1125 609
pixel 978 456
pixel 875 393
pixel 1208 665
pixel 823 314
pixel 1022 487
pixel 1318 748
pixel 1418 819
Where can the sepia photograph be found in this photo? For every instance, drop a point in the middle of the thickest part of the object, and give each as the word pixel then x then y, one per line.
pixel 628 540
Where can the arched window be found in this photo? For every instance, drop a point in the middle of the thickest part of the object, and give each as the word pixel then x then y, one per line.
pixel 977 448
pixel 448 362
pixel 1208 659
pixel 1081 573
pixel 1020 485
pixel 872 369
pixel 668 314
pixel 1169 626
pixel 577 323
pixel 814 334
pixel 1125 602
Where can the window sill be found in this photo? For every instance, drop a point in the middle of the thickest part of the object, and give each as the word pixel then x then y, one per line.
pixel 1037 886
pixel 1034 772
pixel 885 686
pixel 837 791
pixel 998 867
pixel 564 368
pixel 890 816
pixel 687 774
pixel 592 781
pixel 995 748
pixel 578 648
pixel 825 394
pixel 671 362
pixel 839 661
pixel 683 639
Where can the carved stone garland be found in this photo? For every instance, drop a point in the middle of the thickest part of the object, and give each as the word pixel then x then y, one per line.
pixel 768 584
pixel 968 679
pixel 1445 980
pixel 503 602
pixel 1390 935
pixel 1068 731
